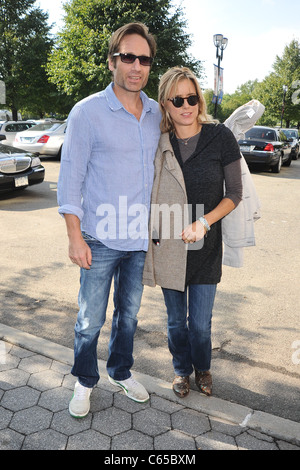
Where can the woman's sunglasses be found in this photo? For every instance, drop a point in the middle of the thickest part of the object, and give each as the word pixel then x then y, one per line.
pixel 178 101
pixel 131 58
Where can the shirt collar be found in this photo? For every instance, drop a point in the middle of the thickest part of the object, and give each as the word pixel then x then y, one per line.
pixel 115 104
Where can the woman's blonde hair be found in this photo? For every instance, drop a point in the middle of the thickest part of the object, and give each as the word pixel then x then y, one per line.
pixel 168 83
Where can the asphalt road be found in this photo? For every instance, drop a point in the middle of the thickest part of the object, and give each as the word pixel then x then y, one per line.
pixel 256 322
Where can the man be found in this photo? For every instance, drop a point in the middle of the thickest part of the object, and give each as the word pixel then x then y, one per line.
pixel 104 194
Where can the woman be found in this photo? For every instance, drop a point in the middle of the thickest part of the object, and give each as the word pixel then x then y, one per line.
pixel 195 157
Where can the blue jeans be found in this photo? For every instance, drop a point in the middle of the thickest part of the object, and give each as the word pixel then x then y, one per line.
pixel 189 338
pixel 95 284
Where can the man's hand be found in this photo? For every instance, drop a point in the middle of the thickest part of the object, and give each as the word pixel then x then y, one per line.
pixel 80 253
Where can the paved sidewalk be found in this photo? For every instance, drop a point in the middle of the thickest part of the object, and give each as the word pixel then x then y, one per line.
pixel 36 386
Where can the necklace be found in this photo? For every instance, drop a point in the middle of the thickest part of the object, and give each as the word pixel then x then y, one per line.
pixel 186 141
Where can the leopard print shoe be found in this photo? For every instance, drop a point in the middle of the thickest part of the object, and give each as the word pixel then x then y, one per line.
pixel 204 382
pixel 181 386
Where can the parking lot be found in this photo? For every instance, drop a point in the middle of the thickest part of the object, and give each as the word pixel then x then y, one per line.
pixel 256 327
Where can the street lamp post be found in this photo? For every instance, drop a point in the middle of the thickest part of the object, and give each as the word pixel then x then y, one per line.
pixel 284 89
pixel 220 42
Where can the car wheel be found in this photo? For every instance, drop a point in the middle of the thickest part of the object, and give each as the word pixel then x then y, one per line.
pixel 288 162
pixel 58 156
pixel 276 168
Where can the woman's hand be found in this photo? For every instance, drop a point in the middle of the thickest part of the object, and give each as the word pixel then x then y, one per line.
pixel 193 232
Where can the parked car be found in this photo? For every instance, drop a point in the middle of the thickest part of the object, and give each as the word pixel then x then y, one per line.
pixel 46 138
pixel 19 169
pixel 293 137
pixel 266 146
pixel 10 128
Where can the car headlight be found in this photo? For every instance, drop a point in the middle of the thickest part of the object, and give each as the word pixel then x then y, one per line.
pixel 35 161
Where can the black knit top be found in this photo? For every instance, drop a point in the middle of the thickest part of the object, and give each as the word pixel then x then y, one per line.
pixel 204 177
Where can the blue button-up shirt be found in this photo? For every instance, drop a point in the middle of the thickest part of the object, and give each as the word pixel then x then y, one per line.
pixel 107 169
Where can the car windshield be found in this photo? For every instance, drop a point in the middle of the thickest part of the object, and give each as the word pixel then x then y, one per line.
pixel 260 133
pixel 45 126
pixel 7 150
pixel 290 133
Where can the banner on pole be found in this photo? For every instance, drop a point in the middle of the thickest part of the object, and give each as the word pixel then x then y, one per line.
pixel 215 80
pixel 218 84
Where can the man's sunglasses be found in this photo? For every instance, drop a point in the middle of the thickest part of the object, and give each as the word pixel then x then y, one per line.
pixel 178 101
pixel 131 58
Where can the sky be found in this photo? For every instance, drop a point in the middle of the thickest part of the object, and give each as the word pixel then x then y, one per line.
pixel 257 31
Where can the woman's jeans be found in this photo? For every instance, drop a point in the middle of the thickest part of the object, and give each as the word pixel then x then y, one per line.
pixel 189 338
pixel 95 284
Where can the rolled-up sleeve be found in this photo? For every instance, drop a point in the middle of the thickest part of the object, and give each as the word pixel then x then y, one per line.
pixel 231 161
pixel 74 161
pixel 107 169
pixel 233 182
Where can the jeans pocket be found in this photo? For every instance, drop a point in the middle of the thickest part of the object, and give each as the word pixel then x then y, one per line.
pixel 88 238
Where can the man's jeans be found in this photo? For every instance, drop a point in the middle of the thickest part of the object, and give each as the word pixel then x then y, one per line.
pixel 95 284
pixel 189 338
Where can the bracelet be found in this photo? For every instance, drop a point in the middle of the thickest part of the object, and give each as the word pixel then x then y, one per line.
pixel 204 223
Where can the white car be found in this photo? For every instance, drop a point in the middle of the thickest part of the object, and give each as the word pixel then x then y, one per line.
pixel 46 138
pixel 10 128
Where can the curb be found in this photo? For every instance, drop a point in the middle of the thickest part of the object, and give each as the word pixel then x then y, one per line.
pixel 274 426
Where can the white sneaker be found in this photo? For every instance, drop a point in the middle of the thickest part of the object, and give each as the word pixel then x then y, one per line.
pixel 80 403
pixel 132 388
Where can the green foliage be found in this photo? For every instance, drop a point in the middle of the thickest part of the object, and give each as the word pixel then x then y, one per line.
pixel 46 75
pixel 242 95
pixel 24 48
pixel 286 71
pixel 208 96
pixel 231 102
pixel 78 63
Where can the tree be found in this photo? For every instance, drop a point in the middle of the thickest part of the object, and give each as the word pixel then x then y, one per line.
pixel 243 94
pixel 78 63
pixel 24 48
pixel 286 71
pixel 208 96
pixel 231 102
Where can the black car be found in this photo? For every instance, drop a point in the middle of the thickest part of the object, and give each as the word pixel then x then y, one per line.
pixel 19 169
pixel 293 137
pixel 266 146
